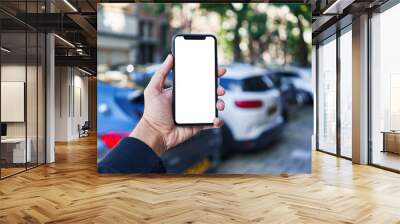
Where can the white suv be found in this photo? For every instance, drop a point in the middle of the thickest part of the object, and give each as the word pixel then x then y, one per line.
pixel 253 110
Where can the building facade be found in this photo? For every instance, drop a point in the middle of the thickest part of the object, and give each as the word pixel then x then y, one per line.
pixel 129 35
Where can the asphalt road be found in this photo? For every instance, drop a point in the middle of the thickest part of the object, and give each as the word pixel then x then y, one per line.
pixel 289 154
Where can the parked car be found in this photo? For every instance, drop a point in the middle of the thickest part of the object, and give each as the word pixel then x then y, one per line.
pixel 117 74
pixel 302 84
pixel 120 109
pixel 143 74
pixel 287 91
pixel 253 112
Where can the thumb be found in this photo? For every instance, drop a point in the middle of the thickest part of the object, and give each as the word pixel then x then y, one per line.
pixel 158 78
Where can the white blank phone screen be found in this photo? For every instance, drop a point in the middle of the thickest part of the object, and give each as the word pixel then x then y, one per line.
pixel 194 80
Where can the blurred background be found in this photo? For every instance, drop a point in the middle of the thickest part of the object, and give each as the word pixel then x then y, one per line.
pixel 266 49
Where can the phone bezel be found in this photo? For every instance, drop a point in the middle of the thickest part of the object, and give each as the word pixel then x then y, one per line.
pixel 195 37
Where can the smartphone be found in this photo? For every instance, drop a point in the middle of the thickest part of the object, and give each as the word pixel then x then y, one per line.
pixel 194 79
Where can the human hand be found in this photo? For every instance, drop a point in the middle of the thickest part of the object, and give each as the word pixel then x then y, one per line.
pixel 156 128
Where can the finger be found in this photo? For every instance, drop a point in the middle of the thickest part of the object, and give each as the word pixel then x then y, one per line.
pixel 220 91
pixel 218 122
pixel 220 105
pixel 158 78
pixel 197 129
pixel 221 71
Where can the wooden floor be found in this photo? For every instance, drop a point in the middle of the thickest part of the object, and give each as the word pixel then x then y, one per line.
pixel 70 191
pixel 387 159
pixel 10 171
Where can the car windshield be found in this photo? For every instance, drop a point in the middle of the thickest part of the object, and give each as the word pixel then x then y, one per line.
pixel 255 84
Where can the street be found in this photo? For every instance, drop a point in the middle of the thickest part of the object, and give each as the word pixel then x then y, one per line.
pixel 289 154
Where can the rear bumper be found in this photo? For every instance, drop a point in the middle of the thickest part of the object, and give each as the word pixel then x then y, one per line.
pixel 264 139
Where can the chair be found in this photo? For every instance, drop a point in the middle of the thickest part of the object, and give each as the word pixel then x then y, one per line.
pixel 84 130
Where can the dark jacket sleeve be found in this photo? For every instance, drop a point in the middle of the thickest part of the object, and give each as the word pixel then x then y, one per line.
pixel 131 156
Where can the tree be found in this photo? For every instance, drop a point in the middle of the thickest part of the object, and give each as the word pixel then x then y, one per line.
pixel 253 20
pixel 258 34
pixel 240 11
pixel 302 12
pixel 260 37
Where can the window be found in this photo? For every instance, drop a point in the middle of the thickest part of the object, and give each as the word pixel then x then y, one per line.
pixel 275 79
pixel 146 51
pixel 288 74
pixel 327 96
pixel 164 38
pixel 230 84
pixel 335 61
pixel 346 93
pixel 146 29
pixel 255 84
pixel 385 89
pixel 22 65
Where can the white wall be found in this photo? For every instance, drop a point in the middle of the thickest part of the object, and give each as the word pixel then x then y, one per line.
pixel 71 94
pixel 79 115
pixel 62 82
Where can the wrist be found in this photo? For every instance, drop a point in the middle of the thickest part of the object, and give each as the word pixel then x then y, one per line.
pixel 148 134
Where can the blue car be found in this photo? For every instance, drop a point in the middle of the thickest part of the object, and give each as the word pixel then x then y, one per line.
pixel 120 109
